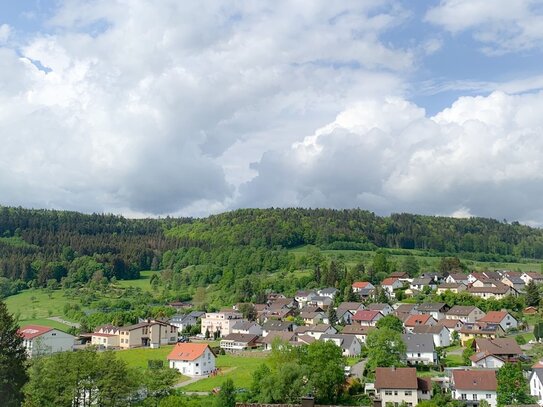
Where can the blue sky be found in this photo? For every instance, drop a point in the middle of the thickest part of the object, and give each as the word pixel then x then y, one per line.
pixel 193 107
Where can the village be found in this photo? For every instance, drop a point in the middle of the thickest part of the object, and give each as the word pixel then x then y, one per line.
pixel 430 332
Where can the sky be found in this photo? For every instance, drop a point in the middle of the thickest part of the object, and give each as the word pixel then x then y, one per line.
pixel 189 108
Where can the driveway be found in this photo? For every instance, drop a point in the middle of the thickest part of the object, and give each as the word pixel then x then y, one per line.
pixel 358 369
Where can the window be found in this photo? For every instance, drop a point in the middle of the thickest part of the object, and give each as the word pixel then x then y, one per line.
pixel 197 364
pixel 395 392
pixel 475 397
pixel 488 396
pixel 463 396
pixel 408 393
pixel 388 392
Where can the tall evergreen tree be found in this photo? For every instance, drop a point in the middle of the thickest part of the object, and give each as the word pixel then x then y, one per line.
pixel 532 294
pixel 227 395
pixel 12 360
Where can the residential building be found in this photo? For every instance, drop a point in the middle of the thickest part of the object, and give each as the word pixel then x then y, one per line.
pixel 43 340
pixel 247 328
pixel 219 322
pixel 276 326
pixel 453 325
pixel 396 385
pixel 152 333
pixel 513 279
pixel 457 278
pixel 192 359
pixel 390 284
pixel 360 285
pixel 316 331
pixel 329 292
pixel 312 317
pixel 419 284
pixel 503 318
pixel 382 307
pixel 182 322
pixel 303 296
pixel 106 337
pixel 440 334
pixel 536 382
pixel 465 313
pixel 506 349
pixel 346 310
pixel 480 330
pixel 532 276
pixel 238 342
pixel 320 301
pixel 367 317
pixel 361 332
pixel 497 290
pixel 435 309
pixel 418 319
pixel 281 336
pixel 452 287
pixel 472 386
pixel 349 344
pixel 420 349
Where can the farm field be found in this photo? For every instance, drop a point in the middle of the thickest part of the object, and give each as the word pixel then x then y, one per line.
pixel 143 282
pixel 36 304
pixel 238 368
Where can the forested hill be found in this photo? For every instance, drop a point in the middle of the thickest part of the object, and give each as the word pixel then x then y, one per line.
pixel 359 229
pixel 41 245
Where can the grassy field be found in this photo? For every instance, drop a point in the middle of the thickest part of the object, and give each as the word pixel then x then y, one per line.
pixel 239 369
pixel 36 304
pixel 138 357
pixel 45 322
pixel 143 282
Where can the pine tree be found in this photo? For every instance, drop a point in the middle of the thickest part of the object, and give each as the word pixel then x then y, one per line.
pixel 227 395
pixel 532 294
pixel 332 316
pixel 12 360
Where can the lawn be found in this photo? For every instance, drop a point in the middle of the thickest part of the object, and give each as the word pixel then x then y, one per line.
pixel 45 322
pixel 143 282
pixel 138 357
pixel 238 368
pixel 454 360
pixel 37 304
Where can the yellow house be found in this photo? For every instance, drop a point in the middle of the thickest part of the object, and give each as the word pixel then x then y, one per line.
pixel 149 333
pixel 480 330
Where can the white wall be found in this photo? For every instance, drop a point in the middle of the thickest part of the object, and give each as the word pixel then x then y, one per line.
pixel 50 342
pixel 481 395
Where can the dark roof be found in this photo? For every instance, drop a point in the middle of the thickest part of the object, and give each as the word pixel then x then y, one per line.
pixel 483 380
pixel 357 329
pixel 345 340
pixel 498 346
pixel 282 335
pixel 461 310
pixel 245 338
pixel 313 328
pixel 396 378
pixel 378 306
pixel 405 308
pixel 427 329
pixel 419 342
pixel 273 325
pixel 243 325
pixel 432 306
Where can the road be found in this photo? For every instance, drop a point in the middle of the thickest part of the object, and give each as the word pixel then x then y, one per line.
pixel 63 321
pixel 358 369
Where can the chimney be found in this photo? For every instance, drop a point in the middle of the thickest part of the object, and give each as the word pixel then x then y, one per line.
pixel 308 401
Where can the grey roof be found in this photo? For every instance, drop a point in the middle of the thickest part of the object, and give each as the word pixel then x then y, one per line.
pixel 429 329
pixel 461 310
pixel 345 340
pixel 419 342
pixel 272 325
pixel 377 306
pixel 431 306
pixel 329 290
pixel 244 338
pixel 243 325
pixel 422 281
pixel 314 328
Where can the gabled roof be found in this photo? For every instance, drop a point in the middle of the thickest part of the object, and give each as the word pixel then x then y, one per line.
pixel 244 325
pixel 461 310
pixel 494 317
pixel 422 281
pixel 459 276
pixel 480 328
pixel 357 329
pixel 389 280
pixel 313 328
pixel 417 319
pixel 366 315
pixel 378 306
pixel 361 284
pixel 328 290
pixel 429 329
pixel 345 340
pixel 449 323
pixel 450 286
pixel 29 332
pixel 473 380
pixel 535 275
pixel 419 342
pixel 405 308
pixel 432 306
pixel 282 335
pixel 272 325
pixel 498 346
pixel 188 351
pixel 244 338
pixel 499 288
pixel 396 378
pixel 399 274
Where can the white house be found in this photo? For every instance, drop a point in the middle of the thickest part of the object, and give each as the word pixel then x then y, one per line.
pixel 358 286
pixel 247 327
pixel 316 331
pixel 390 284
pixel 420 349
pixel 39 340
pixel 192 359
pixel 220 322
pixel 184 321
pixel 472 386
pixel 367 317
pixel 465 313
pixel 486 360
pixel 440 334
pixel 350 346
pixel 382 307
pixel 536 382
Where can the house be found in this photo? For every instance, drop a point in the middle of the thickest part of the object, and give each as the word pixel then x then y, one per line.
pixel 453 325
pixel 312 317
pixel 247 327
pixel 396 385
pixel 440 334
pixel 480 330
pixel 452 287
pixel 503 318
pixel 506 349
pixel 458 278
pixel 532 276
pixel 346 310
pixel 497 290
pixel 418 319
pixel 219 322
pixel 316 331
pixel 472 386
pixel 419 284
pixel 486 361
pixel 349 344
pixel 405 309
pixel 280 336
pixel 536 382
pixel 192 359
pixel 367 317
pixel 513 279
pixel 303 296
pixel 106 337
pixel 383 308
pixel 238 342
pixel 390 284
pixel 182 322
pixel 401 275
pixel 483 275
pixel 329 292
pixel 435 309
pixel 420 349
pixel 531 310
pixel 277 326
pixel 282 303
pixel 42 340
pixel 361 332
pixel 465 313
pixel 360 285
pixel 320 301
pixel 152 333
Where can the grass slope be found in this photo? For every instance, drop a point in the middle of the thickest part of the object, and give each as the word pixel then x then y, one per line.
pixel 37 304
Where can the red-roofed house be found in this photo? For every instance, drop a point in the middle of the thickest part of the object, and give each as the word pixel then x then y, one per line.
pixel 472 386
pixel 504 318
pixel 418 320
pixel 360 285
pixel 367 317
pixel 390 284
pixel 192 359
pixel 41 340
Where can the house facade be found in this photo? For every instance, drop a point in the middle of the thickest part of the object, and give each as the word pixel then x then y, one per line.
pixel 221 322
pixel 44 340
pixel 192 359
pixel 465 313
pixel 150 333
pixel 472 386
